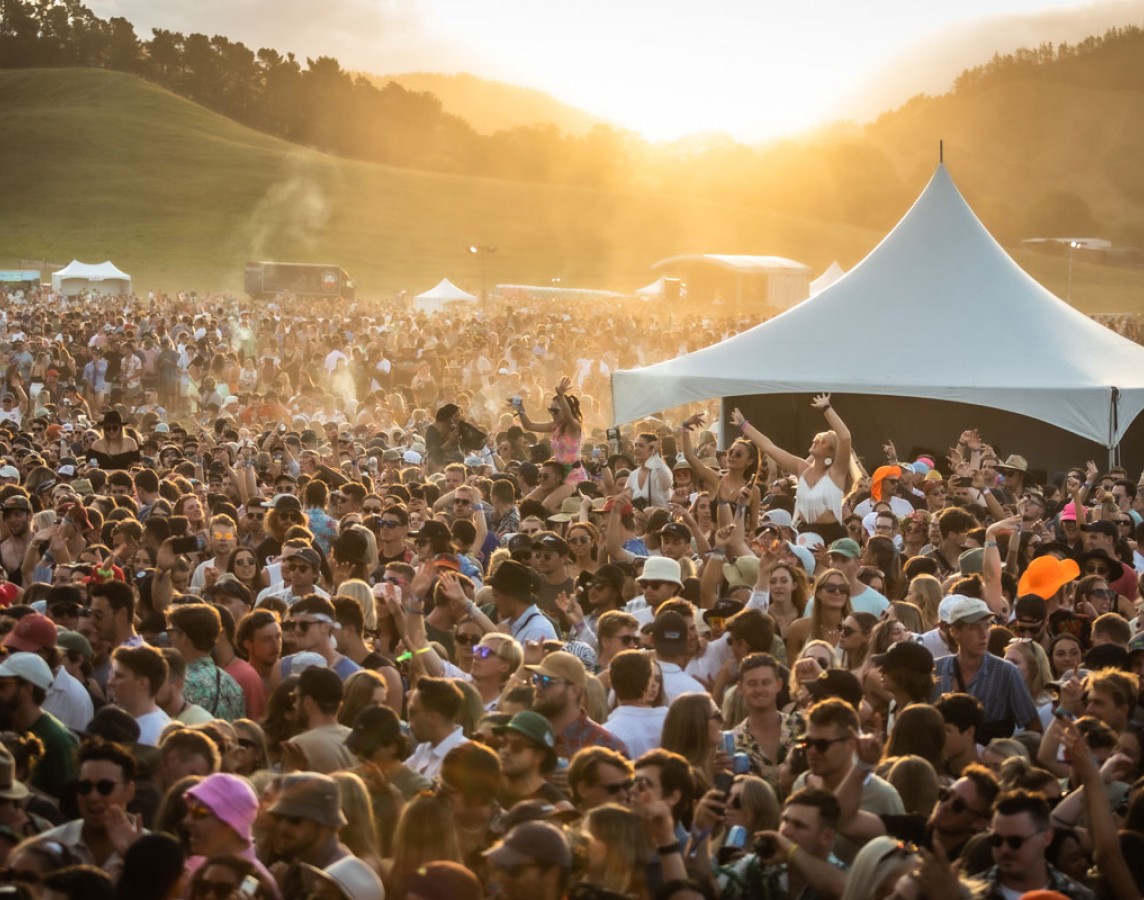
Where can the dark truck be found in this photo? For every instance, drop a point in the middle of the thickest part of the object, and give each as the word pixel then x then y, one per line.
pixel 265 280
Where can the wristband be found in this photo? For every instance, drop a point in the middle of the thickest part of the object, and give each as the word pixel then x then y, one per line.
pixel 669 849
pixel 718 551
pixel 744 425
pixel 989 544
pixel 471 607
pixel 791 852
pixel 414 612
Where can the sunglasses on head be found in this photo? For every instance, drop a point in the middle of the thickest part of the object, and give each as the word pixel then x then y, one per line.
pixel 105 786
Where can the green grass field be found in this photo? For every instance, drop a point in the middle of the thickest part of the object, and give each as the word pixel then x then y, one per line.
pixel 97 165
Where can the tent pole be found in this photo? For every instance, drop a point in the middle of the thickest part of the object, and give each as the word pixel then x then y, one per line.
pixel 1113 425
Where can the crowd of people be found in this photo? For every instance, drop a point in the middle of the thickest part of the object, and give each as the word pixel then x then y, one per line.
pixel 369 605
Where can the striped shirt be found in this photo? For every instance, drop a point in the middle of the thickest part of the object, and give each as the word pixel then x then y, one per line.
pixel 998 685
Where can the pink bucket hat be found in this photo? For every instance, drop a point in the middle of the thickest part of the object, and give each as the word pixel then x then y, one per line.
pixel 231 799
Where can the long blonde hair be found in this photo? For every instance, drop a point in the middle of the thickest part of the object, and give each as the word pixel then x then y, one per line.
pixel 358 590
pixel 621 831
pixel 360 831
pixel 816 628
pixel 927 589
pixel 425 833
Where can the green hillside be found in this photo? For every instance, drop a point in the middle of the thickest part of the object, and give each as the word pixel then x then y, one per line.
pixel 97 164
pixel 491 106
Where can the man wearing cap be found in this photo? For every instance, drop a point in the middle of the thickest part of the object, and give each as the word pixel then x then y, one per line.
pixel 307 816
pixel 24 683
pixel 377 739
pixel 907 674
pixel 669 632
pixel 996 682
pixel 549 555
pixel 660 580
pixel 560 684
pixel 512 592
pixel 301 567
pixel 67 699
pixel 1102 536
pixel 313 621
pixel 533 862
pixel 527 754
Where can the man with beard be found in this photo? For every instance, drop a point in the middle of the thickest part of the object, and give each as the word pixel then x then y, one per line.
pixel 17 514
pixel 307 815
pixel 258 640
pixel 24 683
pixel 954 524
pixel 560 682
pixel 962 809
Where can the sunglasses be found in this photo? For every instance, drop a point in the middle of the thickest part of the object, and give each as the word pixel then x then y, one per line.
pixel 544 682
pixel 484 652
pixel 1032 630
pixel 820 745
pixel 1102 593
pixel 390 523
pixel 956 804
pixel 302 625
pixel 295 567
pixel 460 501
pixel 834 588
pixel 847 631
pixel 198 811
pixel 654 585
pixel 467 640
pixel 1096 570
pixel 105 786
pixel 617 787
pixel 629 640
pixel 1015 841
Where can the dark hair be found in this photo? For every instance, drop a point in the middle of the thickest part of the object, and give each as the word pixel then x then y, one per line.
pixel 473 770
pixel 200 622
pixel 822 800
pixel 1013 803
pixel 247 625
pixel 348 612
pixel 90 883
pixel 584 766
pixel 144 661
pixel 955 519
pixel 440 696
pixel 323 686
pixel 760 661
pixel 754 627
pixel 118 594
pixel 152 865
pixel 97 749
pixel 674 775
pixel 630 672
pixel 962 711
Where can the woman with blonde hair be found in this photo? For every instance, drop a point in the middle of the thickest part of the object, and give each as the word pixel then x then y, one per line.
pixel 925 593
pixel 825 658
pixel 831 606
pixel 426 832
pixel 363 689
pixel 1031 658
pixel 360 831
pixel 854 638
pixel 363 594
pixel 249 754
pixel 877 868
pixel 917 783
pixel 617 852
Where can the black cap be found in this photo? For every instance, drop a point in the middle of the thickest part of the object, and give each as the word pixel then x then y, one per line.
pixel 1102 526
pixel 62 594
pixel 374 727
pixel 433 530
pixel 724 608
pixel 610 575
pixel 841 683
pixel 908 655
pixel 669 632
pixel 286 503
pixel 352 547
pixel 520 543
pixel 548 540
pixel 676 530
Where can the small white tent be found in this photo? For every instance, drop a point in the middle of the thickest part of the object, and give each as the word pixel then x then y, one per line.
pixel 826 279
pixel 442 296
pixel 82 278
pixel 653 291
pixel 937 311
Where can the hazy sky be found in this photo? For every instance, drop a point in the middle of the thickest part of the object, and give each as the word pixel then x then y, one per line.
pixel 753 68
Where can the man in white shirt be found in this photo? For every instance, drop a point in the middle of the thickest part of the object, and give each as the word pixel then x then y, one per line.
pixel 137 675
pixel 434 707
pixel 634 720
pixel 669 633
pixel 512 592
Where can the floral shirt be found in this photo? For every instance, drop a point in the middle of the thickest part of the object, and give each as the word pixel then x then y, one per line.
pixel 791 727
pixel 211 688
pixel 749 879
pixel 1058 881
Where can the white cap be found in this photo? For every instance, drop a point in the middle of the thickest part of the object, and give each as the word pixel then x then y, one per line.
pixel 9 472
pixel 412 457
pixel 28 666
pixel 969 609
pixel 812 540
pixel 779 517
pixel 945 608
pixel 307 659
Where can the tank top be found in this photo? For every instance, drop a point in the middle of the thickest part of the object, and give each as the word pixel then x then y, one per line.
pixel 812 502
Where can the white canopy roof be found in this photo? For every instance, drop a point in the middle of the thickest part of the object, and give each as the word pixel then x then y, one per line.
pixel 737 262
pixel 90 272
pixel 826 279
pixel 655 289
pixel 937 310
pixel 445 292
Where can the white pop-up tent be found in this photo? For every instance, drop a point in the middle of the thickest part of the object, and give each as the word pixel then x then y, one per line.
pixel 440 297
pixel 938 312
pixel 83 278
pixel 826 279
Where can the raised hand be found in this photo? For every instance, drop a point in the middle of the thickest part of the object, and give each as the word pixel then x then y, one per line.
pixel 737 418
pixel 695 421
pixel 890 450
pixel 822 401
pixel 564 385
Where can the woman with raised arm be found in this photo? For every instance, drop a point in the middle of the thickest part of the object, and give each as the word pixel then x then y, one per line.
pixel 565 428
pixel 742 468
pixel 821 476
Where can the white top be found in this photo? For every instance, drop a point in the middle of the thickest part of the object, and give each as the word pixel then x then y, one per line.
pixel 532 625
pixel 656 489
pixel 69 701
pixel 639 727
pixel 427 759
pixel 707 665
pixel 151 725
pixel 812 502
pixel 286 592
pixel 676 681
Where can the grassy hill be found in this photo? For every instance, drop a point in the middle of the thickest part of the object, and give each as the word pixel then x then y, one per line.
pixel 491 106
pixel 98 165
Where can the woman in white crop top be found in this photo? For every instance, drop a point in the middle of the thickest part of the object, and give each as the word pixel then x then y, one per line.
pixel 821 476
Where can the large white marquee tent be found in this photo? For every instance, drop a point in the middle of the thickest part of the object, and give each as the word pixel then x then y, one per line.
pixel 938 312
pixel 82 278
